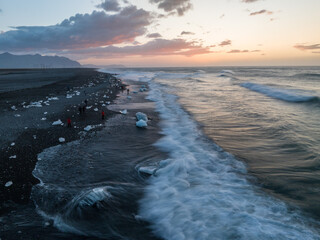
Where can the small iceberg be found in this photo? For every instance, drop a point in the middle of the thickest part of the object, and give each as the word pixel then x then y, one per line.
pixel 62 139
pixel 88 128
pixel 14 156
pixel 143 116
pixel 141 124
pixel 150 170
pixel 124 112
pixel 8 184
pixel 57 123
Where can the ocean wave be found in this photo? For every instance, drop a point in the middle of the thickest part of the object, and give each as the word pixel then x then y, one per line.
pixel 202 192
pixel 226 73
pixel 278 93
pixel 315 76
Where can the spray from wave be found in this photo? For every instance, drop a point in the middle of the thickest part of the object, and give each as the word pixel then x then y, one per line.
pixel 201 192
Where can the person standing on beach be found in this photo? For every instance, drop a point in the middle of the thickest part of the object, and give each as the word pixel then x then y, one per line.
pixel 86 102
pixel 128 90
pixel 102 115
pixel 84 109
pixel 69 122
pixel 80 110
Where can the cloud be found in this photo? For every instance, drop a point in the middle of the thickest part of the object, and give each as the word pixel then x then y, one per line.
pixel 264 11
pixel 173 6
pixel 249 1
pixel 79 31
pixel 154 35
pixel 303 47
pixel 110 6
pixel 225 43
pixel 186 33
pixel 156 47
pixel 238 51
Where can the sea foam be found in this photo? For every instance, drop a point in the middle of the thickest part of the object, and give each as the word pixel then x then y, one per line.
pixel 202 192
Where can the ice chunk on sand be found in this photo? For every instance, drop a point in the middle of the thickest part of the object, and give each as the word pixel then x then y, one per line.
pixel 69 96
pixel 124 112
pixel 12 144
pixel 96 109
pixel 141 124
pixel 14 108
pixel 8 184
pixel 143 116
pixel 45 113
pixel 129 97
pixel 43 119
pixel 62 139
pixel 17 115
pixel 57 123
pixel 14 156
pixel 88 128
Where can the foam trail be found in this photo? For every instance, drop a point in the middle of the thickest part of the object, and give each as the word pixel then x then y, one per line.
pixel 282 94
pixel 201 192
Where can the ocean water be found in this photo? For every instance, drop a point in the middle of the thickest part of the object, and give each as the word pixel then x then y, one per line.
pixel 242 161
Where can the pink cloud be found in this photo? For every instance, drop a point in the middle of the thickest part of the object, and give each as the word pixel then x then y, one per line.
pixel 157 47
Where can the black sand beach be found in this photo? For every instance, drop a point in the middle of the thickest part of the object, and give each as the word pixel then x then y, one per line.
pixel 29 139
pixel 124 141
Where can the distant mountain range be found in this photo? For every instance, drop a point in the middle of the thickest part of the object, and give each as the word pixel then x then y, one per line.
pixel 8 60
pixel 103 66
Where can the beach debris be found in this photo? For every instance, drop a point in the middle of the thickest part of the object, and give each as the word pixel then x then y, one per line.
pixel 14 156
pixel 143 116
pixel 43 119
pixel 8 184
pixel 58 122
pixel 14 108
pixel 34 104
pixel 12 144
pixel 88 128
pixel 124 112
pixel 53 98
pixel 17 115
pixel 61 139
pixel 141 124
pixel 96 109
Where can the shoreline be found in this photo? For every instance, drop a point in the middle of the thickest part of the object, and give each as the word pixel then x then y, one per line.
pixel 19 160
pixel 118 132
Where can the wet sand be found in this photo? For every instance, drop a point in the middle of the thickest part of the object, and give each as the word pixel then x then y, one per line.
pixel 126 147
pixel 23 134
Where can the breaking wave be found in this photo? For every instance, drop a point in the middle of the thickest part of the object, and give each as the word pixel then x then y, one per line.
pixel 202 192
pixel 278 93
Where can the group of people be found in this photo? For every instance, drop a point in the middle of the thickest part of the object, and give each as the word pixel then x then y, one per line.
pixel 82 110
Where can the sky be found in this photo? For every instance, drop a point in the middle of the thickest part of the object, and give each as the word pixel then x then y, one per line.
pixel 165 33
